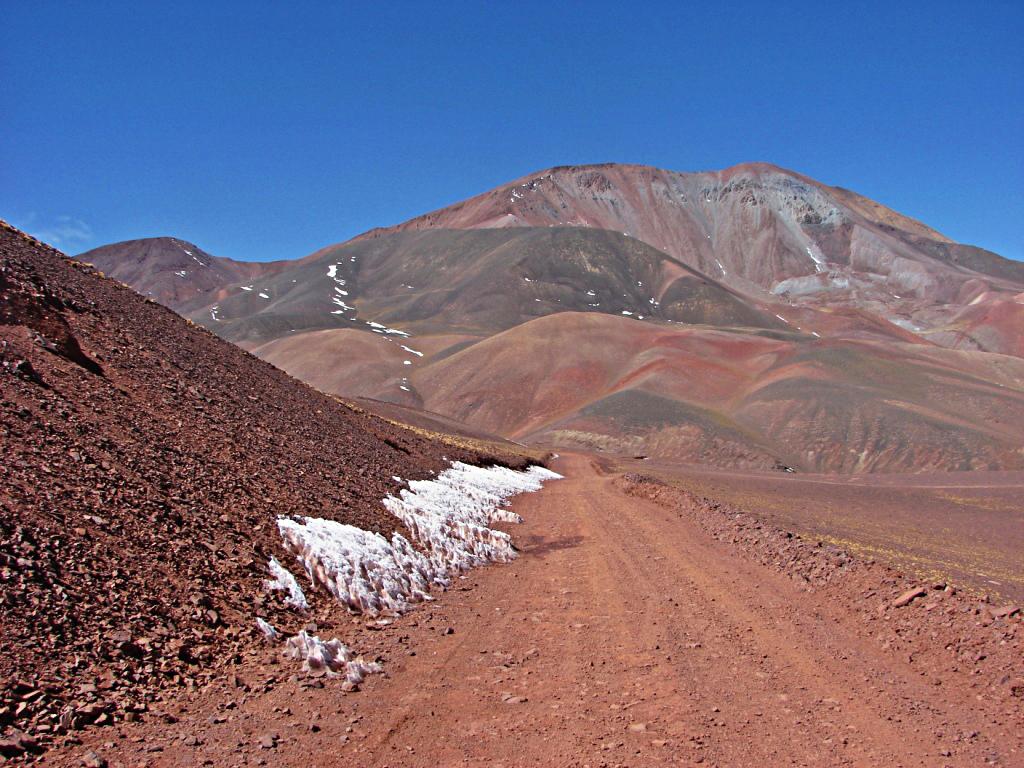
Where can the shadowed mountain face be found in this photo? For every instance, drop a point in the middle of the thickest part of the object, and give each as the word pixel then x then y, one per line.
pixel 476 282
pixel 750 225
pixel 748 317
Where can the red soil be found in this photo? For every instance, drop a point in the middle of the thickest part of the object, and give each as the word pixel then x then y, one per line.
pixel 639 627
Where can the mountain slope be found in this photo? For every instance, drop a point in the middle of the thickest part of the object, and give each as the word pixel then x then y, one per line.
pixel 747 261
pixel 477 282
pixel 171 271
pixel 145 465
pixel 705 396
pixel 754 227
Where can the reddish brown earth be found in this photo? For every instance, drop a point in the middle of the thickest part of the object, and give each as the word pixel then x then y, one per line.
pixel 641 626
pixel 750 317
pixel 171 271
pixel 967 527
pixel 145 463
pixel 703 395
pixel 753 225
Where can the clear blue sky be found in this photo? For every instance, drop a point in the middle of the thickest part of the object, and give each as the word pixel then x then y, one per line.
pixel 259 131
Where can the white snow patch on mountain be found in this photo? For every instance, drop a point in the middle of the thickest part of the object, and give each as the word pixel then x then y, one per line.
pixel 819 263
pixel 385 329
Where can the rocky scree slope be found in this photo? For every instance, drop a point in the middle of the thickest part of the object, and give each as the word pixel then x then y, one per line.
pixel 146 462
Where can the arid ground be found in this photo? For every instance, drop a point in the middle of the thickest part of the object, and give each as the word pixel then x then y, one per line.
pixel 627 635
pixel 963 526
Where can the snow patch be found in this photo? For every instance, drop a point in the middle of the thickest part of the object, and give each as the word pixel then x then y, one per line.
pixel 262 295
pixel 411 351
pixel 267 629
pixel 905 324
pixel 384 329
pixel 819 263
pixel 332 658
pixel 283 580
pixel 246 287
pixel 362 570
pixel 448 516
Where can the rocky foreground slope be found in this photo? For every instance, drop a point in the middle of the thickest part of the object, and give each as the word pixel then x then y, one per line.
pixel 145 464
pixel 644 625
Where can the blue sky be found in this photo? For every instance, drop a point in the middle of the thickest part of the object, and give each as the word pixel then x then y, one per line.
pixel 264 131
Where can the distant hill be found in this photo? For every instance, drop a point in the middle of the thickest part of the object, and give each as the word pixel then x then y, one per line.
pixel 171 271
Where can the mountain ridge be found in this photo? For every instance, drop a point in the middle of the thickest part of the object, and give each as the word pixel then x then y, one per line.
pixel 753 251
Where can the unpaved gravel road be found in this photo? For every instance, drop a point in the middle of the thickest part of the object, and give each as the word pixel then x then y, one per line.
pixel 622 636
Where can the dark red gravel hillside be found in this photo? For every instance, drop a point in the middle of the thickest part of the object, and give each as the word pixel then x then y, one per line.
pixel 144 464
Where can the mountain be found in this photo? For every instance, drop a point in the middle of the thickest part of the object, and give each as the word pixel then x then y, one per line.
pixel 704 395
pixel 754 226
pixel 748 317
pixel 171 271
pixel 145 465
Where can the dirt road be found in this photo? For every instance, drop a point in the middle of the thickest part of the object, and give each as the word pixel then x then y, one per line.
pixel 622 636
